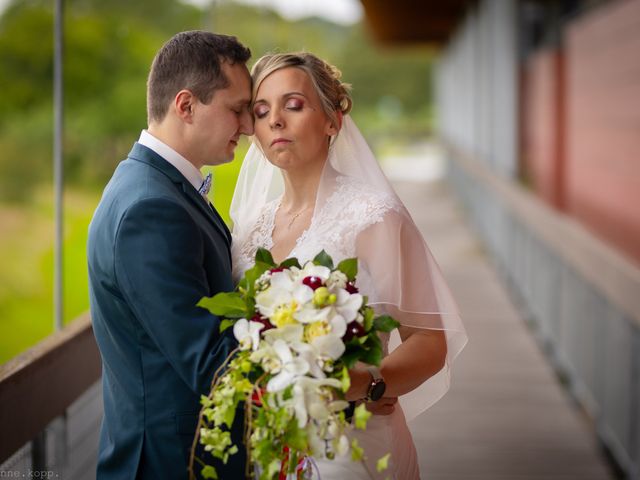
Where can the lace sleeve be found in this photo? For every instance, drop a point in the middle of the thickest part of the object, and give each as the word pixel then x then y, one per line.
pixel 244 247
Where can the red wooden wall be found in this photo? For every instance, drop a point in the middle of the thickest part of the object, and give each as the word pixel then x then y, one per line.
pixel 602 147
pixel 581 123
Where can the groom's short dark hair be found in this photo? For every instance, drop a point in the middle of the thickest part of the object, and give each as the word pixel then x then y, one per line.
pixel 190 60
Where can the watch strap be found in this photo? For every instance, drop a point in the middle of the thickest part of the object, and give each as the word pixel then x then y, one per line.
pixel 376 379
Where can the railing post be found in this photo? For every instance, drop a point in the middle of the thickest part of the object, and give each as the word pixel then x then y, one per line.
pixel 39 452
pixel 58 166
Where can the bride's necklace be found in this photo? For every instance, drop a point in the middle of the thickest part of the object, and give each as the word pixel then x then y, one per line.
pixel 296 215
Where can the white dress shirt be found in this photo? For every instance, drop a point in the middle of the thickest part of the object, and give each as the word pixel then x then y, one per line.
pixel 184 166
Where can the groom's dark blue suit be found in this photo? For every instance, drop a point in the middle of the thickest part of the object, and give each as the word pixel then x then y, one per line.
pixel 155 248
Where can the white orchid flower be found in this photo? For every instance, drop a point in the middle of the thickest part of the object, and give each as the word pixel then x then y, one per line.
pixel 247 333
pixel 342 446
pixel 292 367
pixel 312 270
pixel 317 444
pixel 320 350
pixel 288 333
pixel 310 354
pixel 283 292
pixel 267 357
pixel 338 405
pixel 337 279
pixel 338 326
pixel 347 304
pixel 310 401
pixel 328 346
pixel 308 313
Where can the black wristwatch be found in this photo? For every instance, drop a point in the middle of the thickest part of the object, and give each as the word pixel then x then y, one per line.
pixel 376 387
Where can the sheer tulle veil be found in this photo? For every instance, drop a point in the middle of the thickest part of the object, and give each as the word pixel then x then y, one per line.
pixel 399 272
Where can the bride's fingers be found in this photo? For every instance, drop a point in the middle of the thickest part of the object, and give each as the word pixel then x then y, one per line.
pixel 383 410
pixel 384 406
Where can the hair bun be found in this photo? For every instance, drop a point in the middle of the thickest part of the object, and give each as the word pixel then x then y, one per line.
pixel 345 102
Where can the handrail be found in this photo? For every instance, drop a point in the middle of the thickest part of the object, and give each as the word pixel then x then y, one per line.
pixel 609 271
pixel 38 385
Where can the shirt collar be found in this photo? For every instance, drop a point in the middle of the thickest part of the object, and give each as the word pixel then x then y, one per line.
pixel 184 166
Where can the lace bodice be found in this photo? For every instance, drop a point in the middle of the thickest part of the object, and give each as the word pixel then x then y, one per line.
pixel 351 208
pixel 348 211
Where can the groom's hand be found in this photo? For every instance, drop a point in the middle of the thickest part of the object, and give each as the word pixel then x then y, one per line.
pixel 384 406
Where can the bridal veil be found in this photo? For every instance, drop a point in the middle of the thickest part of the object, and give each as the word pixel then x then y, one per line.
pixel 406 282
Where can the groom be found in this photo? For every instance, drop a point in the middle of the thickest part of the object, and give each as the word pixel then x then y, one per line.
pixel 156 246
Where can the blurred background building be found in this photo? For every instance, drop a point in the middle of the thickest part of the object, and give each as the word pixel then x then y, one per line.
pixel 536 106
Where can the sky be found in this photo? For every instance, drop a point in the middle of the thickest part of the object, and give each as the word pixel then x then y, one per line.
pixel 345 12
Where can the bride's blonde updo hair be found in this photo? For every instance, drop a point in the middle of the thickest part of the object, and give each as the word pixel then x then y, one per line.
pixel 334 94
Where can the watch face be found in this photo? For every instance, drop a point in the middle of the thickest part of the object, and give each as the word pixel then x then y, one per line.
pixel 377 390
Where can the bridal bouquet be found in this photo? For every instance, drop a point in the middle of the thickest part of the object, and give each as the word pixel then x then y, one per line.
pixel 299 329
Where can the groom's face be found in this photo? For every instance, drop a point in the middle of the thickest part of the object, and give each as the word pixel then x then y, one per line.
pixel 218 125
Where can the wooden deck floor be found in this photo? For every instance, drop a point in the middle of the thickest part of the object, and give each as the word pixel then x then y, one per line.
pixel 506 416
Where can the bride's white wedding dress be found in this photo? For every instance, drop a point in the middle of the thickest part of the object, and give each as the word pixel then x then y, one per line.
pixel 358 214
pixel 339 227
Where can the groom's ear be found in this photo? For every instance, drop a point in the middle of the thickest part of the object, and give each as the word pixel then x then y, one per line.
pixel 184 104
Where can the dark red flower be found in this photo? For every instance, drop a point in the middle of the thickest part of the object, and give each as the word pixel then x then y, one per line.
pixel 354 329
pixel 256 397
pixel 312 282
pixel 351 288
pixel 263 320
pixel 276 270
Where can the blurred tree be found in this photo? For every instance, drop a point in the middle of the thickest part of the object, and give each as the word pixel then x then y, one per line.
pixel 108 49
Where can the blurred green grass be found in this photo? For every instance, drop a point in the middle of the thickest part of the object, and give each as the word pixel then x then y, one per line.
pixel 26 256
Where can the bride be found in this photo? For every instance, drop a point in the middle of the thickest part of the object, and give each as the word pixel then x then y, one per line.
pixel 310 182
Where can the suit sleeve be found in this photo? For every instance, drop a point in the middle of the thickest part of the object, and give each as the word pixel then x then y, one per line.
pixel 159 266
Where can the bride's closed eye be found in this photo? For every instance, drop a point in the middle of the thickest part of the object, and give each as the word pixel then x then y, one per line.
pixel 292 104
pixel 260 110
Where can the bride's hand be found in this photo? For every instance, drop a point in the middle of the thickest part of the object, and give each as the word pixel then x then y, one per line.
pixel 384 406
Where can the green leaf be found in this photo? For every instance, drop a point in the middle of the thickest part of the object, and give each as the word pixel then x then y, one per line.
pixel 272 469
pixel 349 267
pixel 383 463
pixel 324 259
pixel 373 357
pixel 263 255
pixel 369 314
pixel 361 415
pixel 357 453
pixel 295 437
pixel 346 379
pixel 351 357
pixel 373 340
pixel 385 323
pixel 209 472
pixel 225 304
pixel 226 323
pixel 229 416
pixel 373 354
pixel 290 262
pixel 250 276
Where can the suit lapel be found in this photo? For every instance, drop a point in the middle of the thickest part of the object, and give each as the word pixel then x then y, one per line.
pixel 208 209
pixel 146 155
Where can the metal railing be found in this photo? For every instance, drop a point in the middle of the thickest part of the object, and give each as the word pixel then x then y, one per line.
pixel 50 403
pixel 581 297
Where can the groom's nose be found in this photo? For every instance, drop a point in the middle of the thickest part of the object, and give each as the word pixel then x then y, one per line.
pixel 246 124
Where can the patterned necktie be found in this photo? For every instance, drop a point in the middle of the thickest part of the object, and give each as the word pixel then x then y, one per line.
pixel 206 186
